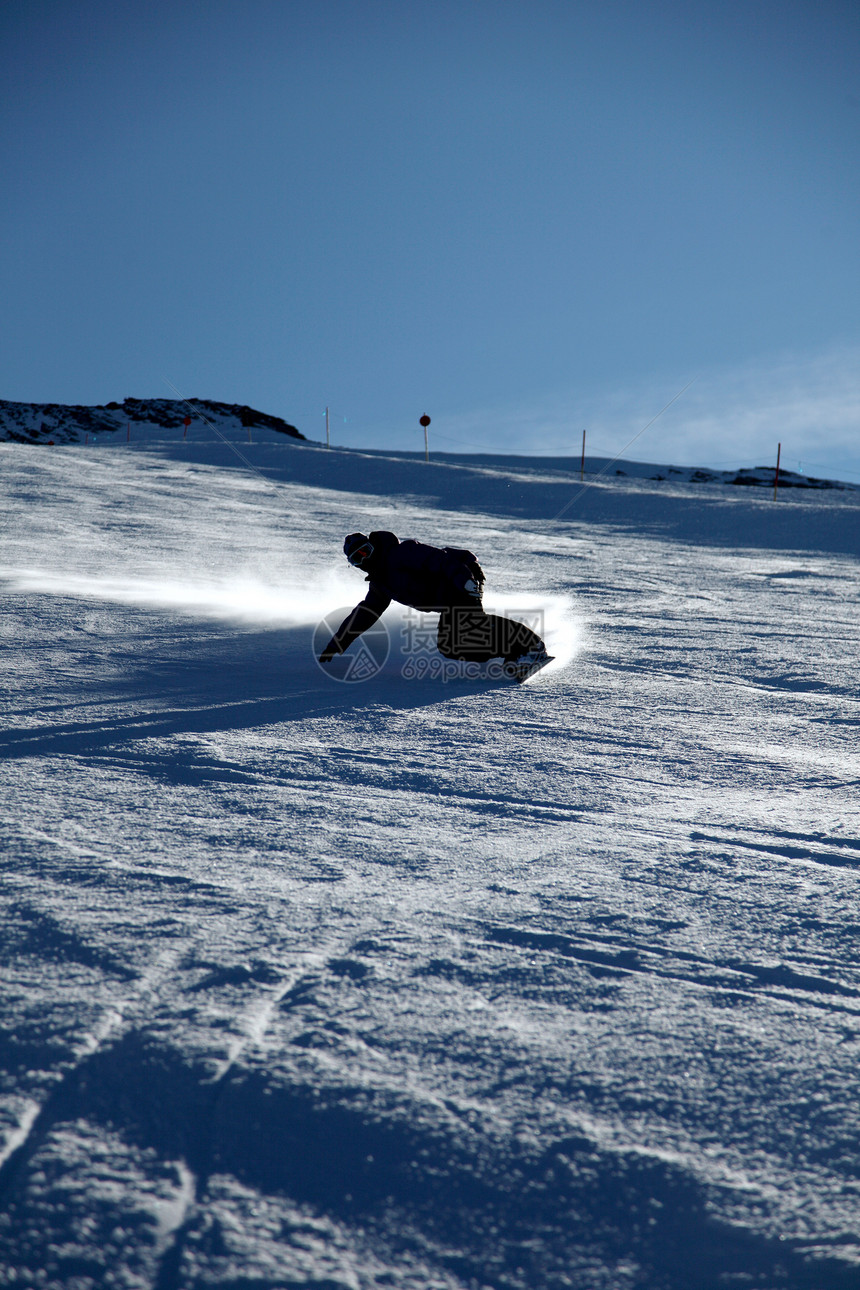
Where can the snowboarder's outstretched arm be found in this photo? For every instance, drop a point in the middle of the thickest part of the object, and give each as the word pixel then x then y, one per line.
pixel 363 616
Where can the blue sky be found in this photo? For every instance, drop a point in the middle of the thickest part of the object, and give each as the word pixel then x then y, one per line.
pixel 521 218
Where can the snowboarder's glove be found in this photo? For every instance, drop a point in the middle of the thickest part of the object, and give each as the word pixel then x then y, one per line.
pixel 329 652
pixel 477 572
pixel 474 584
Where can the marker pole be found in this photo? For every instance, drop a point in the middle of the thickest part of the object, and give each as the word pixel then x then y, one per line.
pixel 776 472
pixel 582 463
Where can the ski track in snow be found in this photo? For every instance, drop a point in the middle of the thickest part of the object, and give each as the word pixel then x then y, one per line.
pixel 425 981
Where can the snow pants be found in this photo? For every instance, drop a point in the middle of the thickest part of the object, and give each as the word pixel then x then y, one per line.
pixel 468 632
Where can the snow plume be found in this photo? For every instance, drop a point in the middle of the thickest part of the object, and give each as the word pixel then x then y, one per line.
pixel 238 599
pixel 552 616
pixel 302 601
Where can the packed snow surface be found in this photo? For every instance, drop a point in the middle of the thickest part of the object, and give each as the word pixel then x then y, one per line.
pixel 425 980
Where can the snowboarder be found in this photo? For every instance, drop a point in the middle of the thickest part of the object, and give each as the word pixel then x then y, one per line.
pixel 446 581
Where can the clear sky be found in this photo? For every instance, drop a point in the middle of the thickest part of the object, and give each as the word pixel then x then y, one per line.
pixel 523 218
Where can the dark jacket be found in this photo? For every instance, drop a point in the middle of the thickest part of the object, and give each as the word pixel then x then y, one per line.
pixel 427 578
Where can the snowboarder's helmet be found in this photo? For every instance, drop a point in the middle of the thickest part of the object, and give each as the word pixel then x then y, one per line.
pixel 358 549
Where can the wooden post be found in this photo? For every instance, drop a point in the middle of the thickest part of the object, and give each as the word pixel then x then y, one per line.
pixel 582 463
pixel 776 472
pixel 425 421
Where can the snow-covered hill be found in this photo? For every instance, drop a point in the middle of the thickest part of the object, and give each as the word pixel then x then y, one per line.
pixel 425 980
pixel 59 423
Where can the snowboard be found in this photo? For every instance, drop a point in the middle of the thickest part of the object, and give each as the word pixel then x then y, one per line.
pixel 521 669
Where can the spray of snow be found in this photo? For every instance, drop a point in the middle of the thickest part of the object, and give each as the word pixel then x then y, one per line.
pixel 552 616
pixel 309 600
pixel 241 599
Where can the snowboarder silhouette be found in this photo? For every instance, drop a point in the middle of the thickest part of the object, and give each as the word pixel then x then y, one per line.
pixel 442 580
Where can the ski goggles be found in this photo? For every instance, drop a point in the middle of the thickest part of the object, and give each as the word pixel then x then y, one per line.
pixel 361 554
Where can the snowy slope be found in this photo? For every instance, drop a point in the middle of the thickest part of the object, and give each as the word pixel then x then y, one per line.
pixel 425 981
